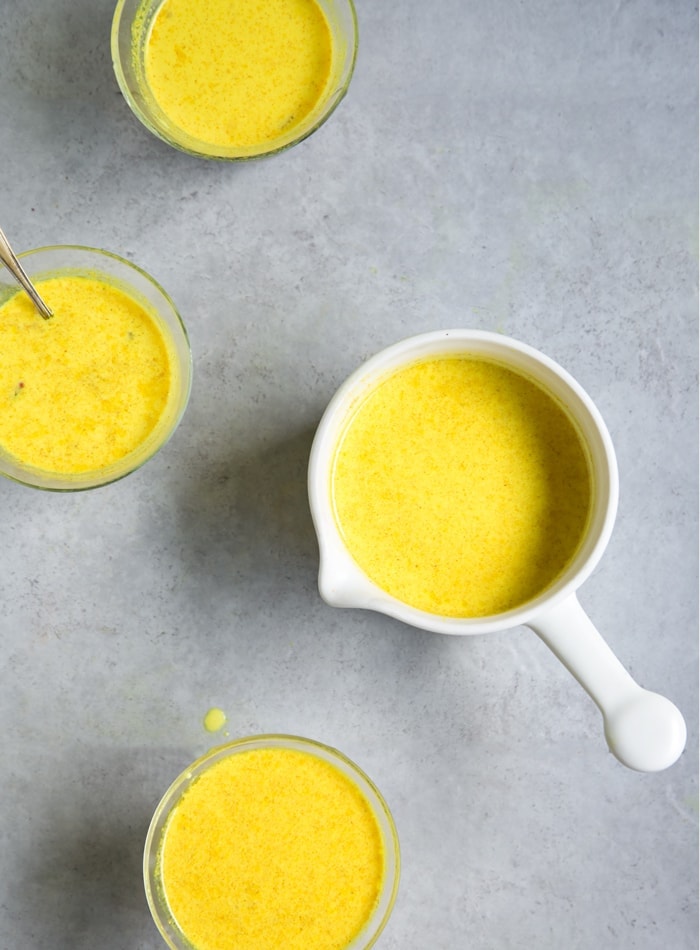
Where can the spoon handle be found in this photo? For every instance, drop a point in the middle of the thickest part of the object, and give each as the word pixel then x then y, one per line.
pixel 9 259
pixel 644 731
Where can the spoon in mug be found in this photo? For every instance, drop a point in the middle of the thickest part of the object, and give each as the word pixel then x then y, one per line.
pixel 9 259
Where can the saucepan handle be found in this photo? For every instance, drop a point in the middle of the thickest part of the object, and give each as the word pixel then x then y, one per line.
pixel 644 730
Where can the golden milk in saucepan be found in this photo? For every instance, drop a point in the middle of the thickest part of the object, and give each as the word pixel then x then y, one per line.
pixel 461 487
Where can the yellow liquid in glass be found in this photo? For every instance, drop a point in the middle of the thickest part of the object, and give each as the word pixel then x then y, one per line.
pixel 270 849
pixel 86 387
pixel 238 73
pixel 461 487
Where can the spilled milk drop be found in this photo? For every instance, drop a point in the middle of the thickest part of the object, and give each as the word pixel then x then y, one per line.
pixel 215 720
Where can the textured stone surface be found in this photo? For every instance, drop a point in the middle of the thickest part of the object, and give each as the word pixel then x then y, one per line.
pixel 529 168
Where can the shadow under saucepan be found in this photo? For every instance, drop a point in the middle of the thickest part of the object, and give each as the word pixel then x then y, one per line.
pixel 245 514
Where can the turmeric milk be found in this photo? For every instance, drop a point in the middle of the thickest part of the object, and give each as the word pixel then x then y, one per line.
pixel 461 487
pixel 238 72
pixel 271 848
pixel 86 387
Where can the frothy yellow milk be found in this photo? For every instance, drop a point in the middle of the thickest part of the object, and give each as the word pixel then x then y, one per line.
pixel 461 487
pixel 87 387
pixel 269 849
pixel 238 73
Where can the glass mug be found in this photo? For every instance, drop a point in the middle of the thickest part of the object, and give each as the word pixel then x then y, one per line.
pixel 132 26
pixel 279 841
pixel 74 261
pixel 644 730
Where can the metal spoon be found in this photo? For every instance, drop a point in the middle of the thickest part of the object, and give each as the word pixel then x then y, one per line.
pixel 9 259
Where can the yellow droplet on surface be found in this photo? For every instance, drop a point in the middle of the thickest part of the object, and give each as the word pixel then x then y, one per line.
pixel 215 720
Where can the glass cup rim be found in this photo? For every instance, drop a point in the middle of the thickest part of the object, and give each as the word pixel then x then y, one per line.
pixel 168 132
pixel 45 480
pixel 102 252
pixel 372 795
pixel 341 581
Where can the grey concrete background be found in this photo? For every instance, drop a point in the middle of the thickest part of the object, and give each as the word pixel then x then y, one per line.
pixel 529 168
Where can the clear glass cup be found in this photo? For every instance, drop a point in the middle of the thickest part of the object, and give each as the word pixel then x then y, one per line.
pixel 155 895
pixel 131 26
pixel 74 260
